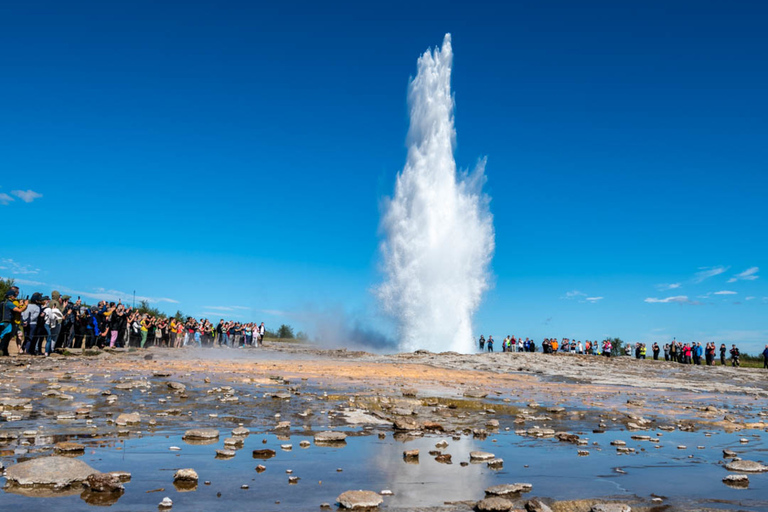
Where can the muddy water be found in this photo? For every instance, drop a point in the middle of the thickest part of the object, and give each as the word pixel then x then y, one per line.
pixel 687 478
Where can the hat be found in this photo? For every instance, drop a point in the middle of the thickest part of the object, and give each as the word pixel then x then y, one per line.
pixel 10 293
pixel 45 297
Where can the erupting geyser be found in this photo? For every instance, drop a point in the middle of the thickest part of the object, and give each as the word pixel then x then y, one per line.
pixel 438 228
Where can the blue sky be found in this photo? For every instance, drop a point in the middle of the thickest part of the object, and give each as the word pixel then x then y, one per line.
pixel 231 157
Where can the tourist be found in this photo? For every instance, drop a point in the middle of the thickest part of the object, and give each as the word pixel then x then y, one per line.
pixel 735 355
pixel 490 343
pixel 656 351
pixel 765 357
pixel 722 354
pixel 481 341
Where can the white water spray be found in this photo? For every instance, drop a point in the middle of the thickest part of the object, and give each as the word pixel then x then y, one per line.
pixel 438 228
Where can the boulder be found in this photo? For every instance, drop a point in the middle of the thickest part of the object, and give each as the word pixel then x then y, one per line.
pixel 58 472
pixel 508 489
pixel 359 500
pixel 747 466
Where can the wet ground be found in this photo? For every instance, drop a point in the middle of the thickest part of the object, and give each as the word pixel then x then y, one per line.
pixel 79 398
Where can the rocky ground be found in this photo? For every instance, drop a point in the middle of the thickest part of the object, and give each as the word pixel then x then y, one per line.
pixel 63 405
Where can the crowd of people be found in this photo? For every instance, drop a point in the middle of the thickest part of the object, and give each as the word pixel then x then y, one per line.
pixel 41 324
pixel 675 351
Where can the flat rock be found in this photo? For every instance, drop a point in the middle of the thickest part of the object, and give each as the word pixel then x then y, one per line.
pixel 68 447
pixel 225 454
pixel 494 504
pixel 130 418
pixel 508 489
pixel 359 499
pixel 240 431
pixel 330 437
pixel 481 455
pixel 176 386
pixel 736 480
pixel 59 472
pixel 611 507
pixel 475 393
pixel 201 433
pixel 748 466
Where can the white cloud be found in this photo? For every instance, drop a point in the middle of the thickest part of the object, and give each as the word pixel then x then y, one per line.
pixel 226 308
pixel 593 299
pixel 111 295
pixel 725 292
pixel 707 272
pixel 670 286
pixel 679 299
pixel 748 275
pixel 15 267
pixel 5 199
pixel 750 298
pixel 26 195
pixel 573 295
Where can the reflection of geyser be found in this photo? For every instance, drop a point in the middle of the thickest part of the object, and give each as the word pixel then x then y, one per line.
pixel 438 228
pixel 419 483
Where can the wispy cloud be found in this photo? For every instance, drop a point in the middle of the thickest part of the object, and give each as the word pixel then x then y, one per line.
pixel 750 298
pixel 677 299
pixel 227 308
pixel 5 199
pixel 592 300
pixel 670 286
pixel 725 292
pixel 15 267
pixel 748 275
pixel 574 294
pixel 26 195
pixel 707 272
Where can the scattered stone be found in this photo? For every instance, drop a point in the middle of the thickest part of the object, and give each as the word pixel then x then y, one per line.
pixel 583 453
pixel 444 458
pixel 305 444
pixel 736 480
pixel 286 447
pixel 411 454
pixel 481 456
pixel 68 447
pixel 409 392
pixel 240 431
pixel 330 437
pixel 128 419
pixel 475 393
pixel 176 386
pixel 496 463
pixel 185 475
pixel 293 479
pixel 104 482
pixel 405 424
pixel 166 503
pixel 201 434
pixel 260 468
pixel 233 441
pixel 264 454
pixel 359 500
pixel 729 454
pixel 225 454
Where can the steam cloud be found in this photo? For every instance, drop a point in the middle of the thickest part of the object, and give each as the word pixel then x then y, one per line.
pixel 438 229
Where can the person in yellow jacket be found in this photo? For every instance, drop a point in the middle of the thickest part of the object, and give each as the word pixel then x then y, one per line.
pixel 144 329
